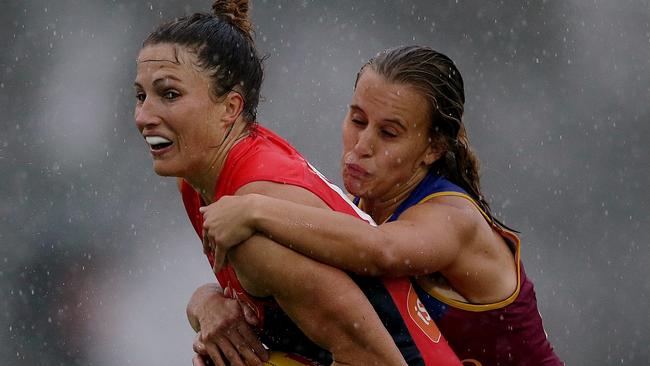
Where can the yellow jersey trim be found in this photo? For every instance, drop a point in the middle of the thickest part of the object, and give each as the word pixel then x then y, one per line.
pixel 428 285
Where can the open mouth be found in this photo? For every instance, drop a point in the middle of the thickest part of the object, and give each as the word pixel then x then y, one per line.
pixel 158 142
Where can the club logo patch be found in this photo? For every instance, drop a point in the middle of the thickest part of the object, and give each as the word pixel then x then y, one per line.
pixel 421 317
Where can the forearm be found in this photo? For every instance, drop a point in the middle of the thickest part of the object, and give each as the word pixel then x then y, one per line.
pixel 331 237
pixel 323 301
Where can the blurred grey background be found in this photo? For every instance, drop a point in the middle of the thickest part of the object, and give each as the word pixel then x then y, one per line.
pixel 97 258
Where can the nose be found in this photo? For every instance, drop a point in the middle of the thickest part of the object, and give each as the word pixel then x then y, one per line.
pixel 145 115
pixel 365 144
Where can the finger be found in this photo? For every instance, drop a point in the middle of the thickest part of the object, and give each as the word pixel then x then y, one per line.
pixel 207 245
pixel 215 355
pixel 219 259
pixel 198 361
pixel 252 356
pixel 229 352
pixel 198 346
pixel 227 292
pixel 249 314
pixel 251 341
pixel 208 361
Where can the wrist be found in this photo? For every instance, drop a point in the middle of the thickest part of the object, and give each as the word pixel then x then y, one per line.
pixel 256 211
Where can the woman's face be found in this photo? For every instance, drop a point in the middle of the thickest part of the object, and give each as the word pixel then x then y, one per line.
pixel 175 111
pixel 386 145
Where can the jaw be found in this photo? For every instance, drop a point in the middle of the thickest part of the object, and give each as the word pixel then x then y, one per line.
pixel 163 169
pixel 358 188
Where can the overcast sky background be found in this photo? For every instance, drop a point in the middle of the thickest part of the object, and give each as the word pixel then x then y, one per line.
pixel 97 257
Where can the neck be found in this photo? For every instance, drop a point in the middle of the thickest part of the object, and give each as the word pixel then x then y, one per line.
pixel 204 182
pixel 381 208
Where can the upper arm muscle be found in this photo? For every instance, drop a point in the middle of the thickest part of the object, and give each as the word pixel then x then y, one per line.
pixel 262 262
pixel 427 238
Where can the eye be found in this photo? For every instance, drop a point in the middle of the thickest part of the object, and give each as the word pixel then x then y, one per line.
pixel 388 133
pixel 358 122
pixel 171 94
pixel 140 97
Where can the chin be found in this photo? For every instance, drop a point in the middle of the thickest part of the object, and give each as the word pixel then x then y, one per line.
pixel 164 171
pixel 352 187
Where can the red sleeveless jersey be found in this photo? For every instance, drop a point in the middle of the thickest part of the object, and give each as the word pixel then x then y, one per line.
pixel 264 156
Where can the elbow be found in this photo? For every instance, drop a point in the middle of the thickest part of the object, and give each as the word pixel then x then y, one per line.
pixel 385 262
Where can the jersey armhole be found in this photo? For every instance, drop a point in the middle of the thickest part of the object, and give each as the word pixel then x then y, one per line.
pixel 429 287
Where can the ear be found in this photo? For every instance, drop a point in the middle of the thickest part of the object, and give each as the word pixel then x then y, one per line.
pixel 233 107
pixel 431 155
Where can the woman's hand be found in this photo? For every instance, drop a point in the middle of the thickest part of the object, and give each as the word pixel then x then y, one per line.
pixel 223 325
pixel 201 356
pixel 226 223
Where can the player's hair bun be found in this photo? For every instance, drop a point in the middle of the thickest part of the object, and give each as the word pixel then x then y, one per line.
pixel 236 13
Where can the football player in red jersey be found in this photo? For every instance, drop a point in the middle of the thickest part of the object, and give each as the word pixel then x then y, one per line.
pixel 197 90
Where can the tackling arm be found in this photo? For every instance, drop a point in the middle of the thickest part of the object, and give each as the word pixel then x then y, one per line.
pixel 323 301
pixel 427 237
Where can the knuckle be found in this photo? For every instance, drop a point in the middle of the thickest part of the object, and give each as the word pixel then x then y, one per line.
pixel 204 337
pixel 212 333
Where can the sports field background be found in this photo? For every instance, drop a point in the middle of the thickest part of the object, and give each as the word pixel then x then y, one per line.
pixel 97 258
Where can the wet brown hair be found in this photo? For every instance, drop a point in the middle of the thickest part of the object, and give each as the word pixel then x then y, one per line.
pixel 438 79
pixel 223 44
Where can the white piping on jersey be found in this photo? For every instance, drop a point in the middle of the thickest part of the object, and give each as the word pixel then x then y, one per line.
pixel 340 192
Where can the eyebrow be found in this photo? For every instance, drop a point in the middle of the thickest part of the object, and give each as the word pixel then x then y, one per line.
pixel 395 121
pixel 175 62
pixel 164 78
pixel 159 80
pixel 389 120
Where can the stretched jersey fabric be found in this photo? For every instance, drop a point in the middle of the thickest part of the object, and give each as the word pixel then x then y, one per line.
pixel 264 156
pixel 509 332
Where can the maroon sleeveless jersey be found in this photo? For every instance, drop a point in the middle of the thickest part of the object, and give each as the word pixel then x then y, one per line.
pixel 509 332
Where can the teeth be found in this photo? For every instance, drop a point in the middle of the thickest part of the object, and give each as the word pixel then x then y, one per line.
pixel 155 140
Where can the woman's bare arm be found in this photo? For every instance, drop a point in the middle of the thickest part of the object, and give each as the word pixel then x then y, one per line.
pixel 427 237
pixel 323 301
